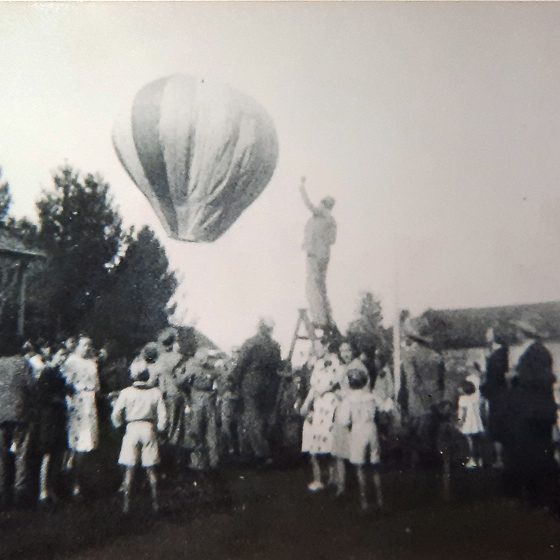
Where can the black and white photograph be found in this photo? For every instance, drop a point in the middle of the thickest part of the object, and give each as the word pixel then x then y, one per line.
pixel 279 280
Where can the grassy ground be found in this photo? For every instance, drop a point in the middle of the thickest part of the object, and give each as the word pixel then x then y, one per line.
pixel 267 514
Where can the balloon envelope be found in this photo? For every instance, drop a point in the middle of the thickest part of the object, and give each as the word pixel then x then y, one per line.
pixel 200 152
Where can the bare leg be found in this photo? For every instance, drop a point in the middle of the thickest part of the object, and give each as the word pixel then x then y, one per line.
pixel 78 460
pixel 316 469
pixel 127 486
pixel 378 489
pixel 362 483
pixel 44 477
pixel 477 446
pixel 333 473
pixel 470 461
pixel 152 477
pixel 340 476
pixel 69 460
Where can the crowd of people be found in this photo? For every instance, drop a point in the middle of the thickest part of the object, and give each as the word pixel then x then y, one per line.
pixel 180 407
pixel 501 408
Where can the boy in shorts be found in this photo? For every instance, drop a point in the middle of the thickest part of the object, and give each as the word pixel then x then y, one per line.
pixel 357 411
pixel 142 409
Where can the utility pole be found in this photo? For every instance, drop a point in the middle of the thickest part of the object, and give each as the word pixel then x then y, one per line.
pixel 397 334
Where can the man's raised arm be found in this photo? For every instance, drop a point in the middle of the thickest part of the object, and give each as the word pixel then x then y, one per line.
pixel 305 197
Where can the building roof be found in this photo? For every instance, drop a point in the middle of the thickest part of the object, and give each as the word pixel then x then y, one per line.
pixel 466 328
pixel 11 244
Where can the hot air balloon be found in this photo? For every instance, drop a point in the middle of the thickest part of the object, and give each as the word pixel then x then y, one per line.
pixel 200 152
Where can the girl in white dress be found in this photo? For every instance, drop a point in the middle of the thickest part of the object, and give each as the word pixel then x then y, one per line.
pixel 470 419
pixel 357 411
pixel 80 372
pixel 341 432
pixel 319 409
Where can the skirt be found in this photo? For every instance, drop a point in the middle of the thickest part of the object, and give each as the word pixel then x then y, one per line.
pixel 317 436
pixel 83 428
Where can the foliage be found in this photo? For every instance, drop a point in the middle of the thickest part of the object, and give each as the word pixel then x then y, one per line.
pixel 99 278
pixel 5 199
pixel 82 233
pixel 135 309
pixel 366 333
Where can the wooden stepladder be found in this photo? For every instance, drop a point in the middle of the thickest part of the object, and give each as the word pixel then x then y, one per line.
pixel 309 334
pixel 303 324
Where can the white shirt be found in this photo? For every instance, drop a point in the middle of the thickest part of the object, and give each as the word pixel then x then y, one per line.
pixel 140 403
pixel 37 365
pixel 320 233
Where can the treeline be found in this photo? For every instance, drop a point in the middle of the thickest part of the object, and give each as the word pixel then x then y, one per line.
pixel 98 277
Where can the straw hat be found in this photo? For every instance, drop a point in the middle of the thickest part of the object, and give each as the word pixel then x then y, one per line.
pixel 526 327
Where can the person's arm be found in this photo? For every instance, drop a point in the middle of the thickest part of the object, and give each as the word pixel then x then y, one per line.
pixel 306 199
pixel 161 414
pixel 306 406
pixel 96 381
pixel 462 413
pixel 117 414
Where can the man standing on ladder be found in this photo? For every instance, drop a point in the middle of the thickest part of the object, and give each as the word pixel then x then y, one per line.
pixel 320 234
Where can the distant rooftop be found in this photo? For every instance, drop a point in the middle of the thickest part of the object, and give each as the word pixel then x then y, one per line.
pixel 11 243
pixel 466 328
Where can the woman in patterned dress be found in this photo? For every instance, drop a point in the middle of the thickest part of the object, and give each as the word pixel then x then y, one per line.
pixel 341 433
pixel 80 371
pixel 319 409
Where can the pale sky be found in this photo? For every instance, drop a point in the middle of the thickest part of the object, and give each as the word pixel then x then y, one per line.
pixel 435 126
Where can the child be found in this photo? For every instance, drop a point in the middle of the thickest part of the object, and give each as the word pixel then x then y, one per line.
pixel 230 401
pixel 357 411
pixel 142 409
pixel 341 436
pixel 470 420
pixel 319 409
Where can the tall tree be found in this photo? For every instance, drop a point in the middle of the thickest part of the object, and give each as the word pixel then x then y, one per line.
pixel 135 308
pixel 82 233
pixel 5 199
pixel 366 332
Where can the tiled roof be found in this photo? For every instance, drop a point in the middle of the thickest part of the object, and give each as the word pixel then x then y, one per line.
pixel 466 328
pixel 11 243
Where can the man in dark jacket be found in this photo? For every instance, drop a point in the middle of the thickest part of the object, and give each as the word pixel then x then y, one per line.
pixel 16 408
pixel 528 443
pixel 256 374
pixel 423 372
pixel 494 391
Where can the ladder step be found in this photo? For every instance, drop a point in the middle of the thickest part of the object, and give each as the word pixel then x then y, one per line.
pixel 311 335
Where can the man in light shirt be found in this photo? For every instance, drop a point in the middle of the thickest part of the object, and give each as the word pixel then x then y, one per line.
pixel 141 408
pixel 320 234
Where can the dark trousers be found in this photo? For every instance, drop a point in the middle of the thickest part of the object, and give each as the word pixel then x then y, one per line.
pixel 253 428
pixel 18 435
pixel 204 430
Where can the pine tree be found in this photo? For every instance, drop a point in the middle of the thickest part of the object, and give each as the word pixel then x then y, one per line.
pixel 135 309
pixel 82 233
pixel 5 199
pixel 366 332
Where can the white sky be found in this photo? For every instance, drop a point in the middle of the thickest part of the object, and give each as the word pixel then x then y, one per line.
pixel 435 126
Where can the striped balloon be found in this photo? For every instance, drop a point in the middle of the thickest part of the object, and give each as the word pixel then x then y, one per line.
pixel 200 152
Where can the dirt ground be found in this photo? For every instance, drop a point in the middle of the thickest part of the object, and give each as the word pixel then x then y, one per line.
pixel 267 514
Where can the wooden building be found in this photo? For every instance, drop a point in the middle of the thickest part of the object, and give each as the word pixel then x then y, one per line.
pixel 460 334
pixel 15 261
